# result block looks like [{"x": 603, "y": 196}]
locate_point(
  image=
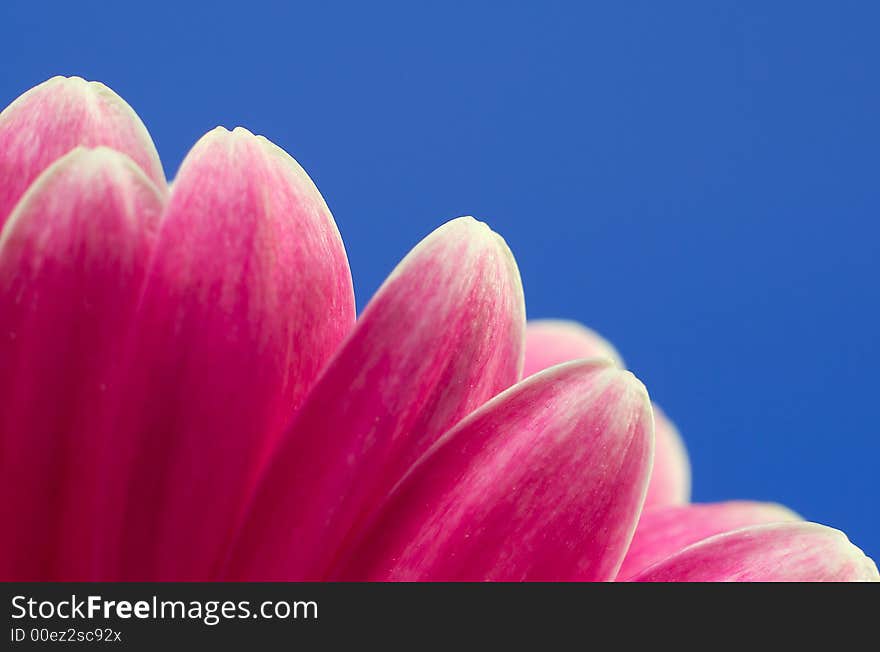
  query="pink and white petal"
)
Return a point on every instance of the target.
[
  {"x": 545, "y": 482},
  {"x": 671, "y": 478},
  {"x": 442, "y": 335},
  {"x": 73, "y": 257},
  {"x": 551, "y": 342},
  {"x": 248, "y": 297},
  {"x": 51, "y": 119},
  {"x": 780, "y": 552},
  {"x": 664, "y": 531}
]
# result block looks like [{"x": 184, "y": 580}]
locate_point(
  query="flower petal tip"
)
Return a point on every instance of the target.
[
  {"x": 49, "y": 120},
  {"x": 242, "y": 139},
  {"x": 632, "y": 392},
  {"x": 466, "y": 226},
  {"x": 552, "y": 341},
  {"x": 92, "y": 167},
  {"x": 776, "y": 552},
  {"x": 664, "y": 529}
]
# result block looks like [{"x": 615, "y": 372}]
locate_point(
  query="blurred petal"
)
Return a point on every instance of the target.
[
  {"x": 787, "y": 552},
  {"x": 249, "y": 295},
  {"x": 551, "y": 342},
  {"x": 671, "y": 478},
  {"x": 73, "y": 257},
  {"x": 665, "y": 531},
  {"x": 442, "y": 335},
  {"x": 545, "y": 482},
  {"x": 60, "y": 114}
]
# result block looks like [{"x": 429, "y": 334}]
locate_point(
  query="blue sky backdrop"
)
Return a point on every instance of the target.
[{"x": 696, "y": 180}]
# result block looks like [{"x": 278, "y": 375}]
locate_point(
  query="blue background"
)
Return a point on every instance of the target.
[{"x": 698, "y": 181}]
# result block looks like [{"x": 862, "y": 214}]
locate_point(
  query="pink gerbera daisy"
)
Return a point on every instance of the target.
[{"x": 185, "y": 393}]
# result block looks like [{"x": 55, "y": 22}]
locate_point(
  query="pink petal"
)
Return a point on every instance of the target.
[
  {"x": 551, "y": 342},
  {"x": 786, "y": 552},
  {"x": 671, "y": 478},
  {"x": 249, "y": 295},
  {"x": 442, "y": 335},
  {"x": 60, "y": 114},
  {"x": 665, "y": 531},
  {"x": 545, "y": 482},
  {"x": 73, "y": 256}
]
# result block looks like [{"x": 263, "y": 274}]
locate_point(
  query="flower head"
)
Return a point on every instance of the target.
[{"x": 185, "y": 392}]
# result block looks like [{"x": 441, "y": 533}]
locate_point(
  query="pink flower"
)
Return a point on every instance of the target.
[{"x": 185, "y": 393}]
